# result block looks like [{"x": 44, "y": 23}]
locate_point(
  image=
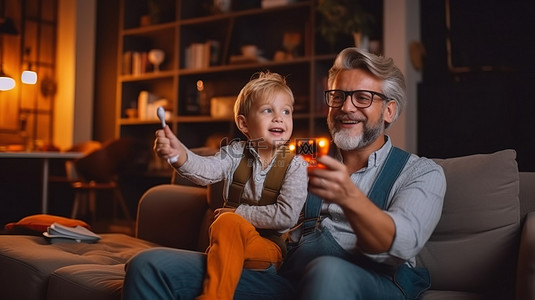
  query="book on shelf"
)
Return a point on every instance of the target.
[
  {"x": 202, "y": 55},
  {"x": 127, "y": 63},
  {"x": 139, "y": 63},
  {"x": 147, "y": 104},
  {"x": 135, "y": 63},
  {"x": 61, "y": 233}
]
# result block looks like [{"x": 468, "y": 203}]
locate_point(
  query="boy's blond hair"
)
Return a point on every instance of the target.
[{"x": 262, "y": 85}]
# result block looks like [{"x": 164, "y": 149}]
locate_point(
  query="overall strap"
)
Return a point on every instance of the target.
[
  {"x": 275, "y": 176},
  {"x": 240, "y": 177},
  {"x": 395, "y": 161},
  {"x": 312, "y": 213}
]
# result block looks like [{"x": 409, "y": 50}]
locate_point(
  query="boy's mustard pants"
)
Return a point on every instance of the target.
[{"x": 235, "y": 244}]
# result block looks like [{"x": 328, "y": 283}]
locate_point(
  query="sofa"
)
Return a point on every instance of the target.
[{"x": 482, "y": 248}]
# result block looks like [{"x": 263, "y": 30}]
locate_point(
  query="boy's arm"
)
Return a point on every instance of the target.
[{"x": 203, "y": 170}]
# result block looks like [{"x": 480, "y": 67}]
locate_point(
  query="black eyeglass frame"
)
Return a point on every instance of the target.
[{"x": 350, "y": 93}]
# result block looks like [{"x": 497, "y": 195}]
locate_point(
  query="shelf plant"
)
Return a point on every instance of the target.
[{"x": 343, "y": 18}]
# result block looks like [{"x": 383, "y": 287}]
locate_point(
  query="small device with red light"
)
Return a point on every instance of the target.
[{"x": 311, "y": 149}]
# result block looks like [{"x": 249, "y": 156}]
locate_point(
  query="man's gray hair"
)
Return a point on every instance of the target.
[{"x": 380, "y": 66}]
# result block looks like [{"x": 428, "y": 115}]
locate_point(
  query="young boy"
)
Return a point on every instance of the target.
[{"x": 246, "y": 231}]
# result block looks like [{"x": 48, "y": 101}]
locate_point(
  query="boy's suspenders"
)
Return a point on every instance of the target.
[
  {"x": 270, "y": 191},
  {"x": 272, "y": 183},
  {"x": 395, "y": 161}
]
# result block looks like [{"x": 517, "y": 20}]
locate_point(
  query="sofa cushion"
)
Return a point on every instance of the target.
[
  {"x": 165, "y": 210},
  {"x": 527, "y": 193},
  {"x": 40, "y": 222},
  {"x": 88, "y": 281},
  {"x": 471, "y": 248},
  {"x": 525, "y": 284},
  {"x": 27, "y": 261}
]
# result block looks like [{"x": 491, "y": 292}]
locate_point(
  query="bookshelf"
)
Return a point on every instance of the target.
[{"x": 204, "y": 60}]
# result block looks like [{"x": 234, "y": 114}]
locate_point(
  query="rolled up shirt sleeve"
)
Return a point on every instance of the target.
[{"x": 416, "y": 208}]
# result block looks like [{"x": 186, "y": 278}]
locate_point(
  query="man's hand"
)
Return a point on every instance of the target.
[
  {"x": 331, "y": 181},
  {"x": 375, "y": 229}
]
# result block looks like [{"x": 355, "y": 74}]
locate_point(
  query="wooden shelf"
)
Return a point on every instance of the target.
[
  {"x": 189, "y": 23},
  {"x": 249, "y": 12},
  {"x": 149, "y": 29}
]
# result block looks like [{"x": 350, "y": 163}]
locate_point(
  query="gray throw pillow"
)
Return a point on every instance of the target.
[{"x": 472, "y": 249}]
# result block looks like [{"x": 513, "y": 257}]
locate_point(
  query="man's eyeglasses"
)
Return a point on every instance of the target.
[{"x": 359, "y": 98}]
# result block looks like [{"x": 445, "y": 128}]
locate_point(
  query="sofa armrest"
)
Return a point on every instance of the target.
[
  {"x": 525, "y": 276},
  {"x": 171, "y": 215}
]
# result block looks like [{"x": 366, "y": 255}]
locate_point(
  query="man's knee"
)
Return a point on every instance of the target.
[
  {"x": 140, "y": 274},
  {"x": 336, "y": 278},
  {"x": 163, "y": 258},
  {"x": 325, "y": 266},
  {"x": 145, "y": 263},
  {"x": 164, "y": 273},
  {"x": 333, "y": 273},
  {"x": 141, "y": 260}
]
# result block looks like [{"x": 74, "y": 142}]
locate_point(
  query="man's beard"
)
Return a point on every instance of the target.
[{"x": 344, "y": 140}]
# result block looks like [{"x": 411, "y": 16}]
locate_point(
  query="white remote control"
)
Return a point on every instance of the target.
[{"x": 161, "y": 114}]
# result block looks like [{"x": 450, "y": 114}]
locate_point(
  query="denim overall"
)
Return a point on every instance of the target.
[{"x": 316, "y": 242}]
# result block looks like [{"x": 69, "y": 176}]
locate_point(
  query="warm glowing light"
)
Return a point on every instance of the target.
[
  {"x": 29, "y": 77},
  {"x": 6, "y": 83},
  {"x": 200, "y": 85},
  {"x": 310, "y": 149},
  {"x": 323, "y": 146}
]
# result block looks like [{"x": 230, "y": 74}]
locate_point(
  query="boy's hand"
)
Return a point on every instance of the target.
[
  {"x": 167, "y": 145},
  {"x": 219, "y": 211}
]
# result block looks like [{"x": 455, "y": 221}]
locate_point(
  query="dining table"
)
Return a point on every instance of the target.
[{"x": 44, "y": 157}]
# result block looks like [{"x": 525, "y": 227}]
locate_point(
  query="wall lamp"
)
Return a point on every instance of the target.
[
  {"x": 6, "y": 27},
  {"x": 6, "y": 82},
  {"x": 28, "y": 76}
]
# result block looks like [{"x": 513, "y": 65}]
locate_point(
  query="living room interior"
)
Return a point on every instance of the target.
[
  {"x": 85, "y": 91},
  {"x": 98, "y": 70}
]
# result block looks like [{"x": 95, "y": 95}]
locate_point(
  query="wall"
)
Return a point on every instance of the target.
[
  {"x": 73, "y": 116},
  {"x": 106, "y": 68},
  {"x": 401, "y": 27},
  {"x": 476, "y": 95}
]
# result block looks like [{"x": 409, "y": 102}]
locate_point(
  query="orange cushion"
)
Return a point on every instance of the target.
[{"x": 40, "y": 222}]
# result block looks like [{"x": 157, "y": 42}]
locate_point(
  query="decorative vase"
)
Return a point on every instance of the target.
[{"x": 156, "y": 57}]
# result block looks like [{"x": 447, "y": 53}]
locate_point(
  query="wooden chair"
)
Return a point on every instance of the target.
[
  {"x": 98, "y": 172},
  {"x": 63, "y": 174},
  {"x": 84, "y": 147}
]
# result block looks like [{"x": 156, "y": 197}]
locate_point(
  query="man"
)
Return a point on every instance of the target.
[{"x": 359, "y": 249}]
